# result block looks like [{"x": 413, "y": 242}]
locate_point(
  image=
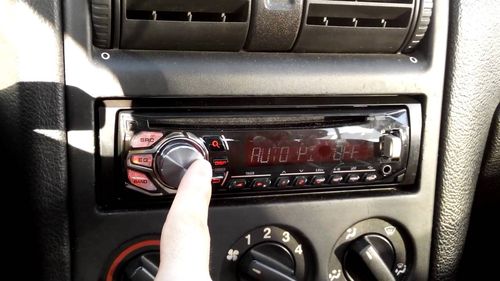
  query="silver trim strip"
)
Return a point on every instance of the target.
[
  {"x": 304, "y": 173},
  {"x": 250, "y": 176},
  {"x": 353, "y": 171}
]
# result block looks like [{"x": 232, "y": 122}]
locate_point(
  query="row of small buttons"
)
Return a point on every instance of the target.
[{"x": 300, "y": 181}]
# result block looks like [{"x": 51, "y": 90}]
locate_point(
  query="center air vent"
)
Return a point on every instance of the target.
[
  {"x": 326, "y": 26},
  {"x": 355, "y": 26},
  {"x": 185, "y": 24}
]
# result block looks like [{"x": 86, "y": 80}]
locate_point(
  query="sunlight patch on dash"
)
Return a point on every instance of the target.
[{"x": 57, "y": 135}]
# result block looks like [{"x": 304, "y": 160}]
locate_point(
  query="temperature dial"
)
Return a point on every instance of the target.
[
  {"x": 176, "y": 154},
  {"x": 370, "y": 250}
]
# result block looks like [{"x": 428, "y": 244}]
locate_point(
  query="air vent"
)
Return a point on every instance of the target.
[
  {"x": 355, "y": 26},
  {"x": 101, "y": 23},
  {"x": 185, "y": 24}
]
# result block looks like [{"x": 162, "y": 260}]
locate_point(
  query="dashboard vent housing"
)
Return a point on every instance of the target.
[
  {"x": 184, "y": 24},
  {"x": 376, "y": 26}
]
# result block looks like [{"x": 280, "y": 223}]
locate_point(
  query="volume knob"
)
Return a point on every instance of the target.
[{"x": 176, "y": 154}]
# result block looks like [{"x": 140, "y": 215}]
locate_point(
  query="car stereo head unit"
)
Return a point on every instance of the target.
[{"x": 262, "y": 152}]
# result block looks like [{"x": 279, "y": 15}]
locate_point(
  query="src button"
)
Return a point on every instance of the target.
[{"x": 145, "y": 139}]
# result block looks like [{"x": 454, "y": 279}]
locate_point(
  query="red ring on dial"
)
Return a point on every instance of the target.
[{"x": 127, "y": 251}]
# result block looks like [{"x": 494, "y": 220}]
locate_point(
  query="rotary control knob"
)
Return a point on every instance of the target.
[
  {"x": 267, "y": 261},
  {"x": 176, "y": 154},
  {"x": 370, "y": 257}
]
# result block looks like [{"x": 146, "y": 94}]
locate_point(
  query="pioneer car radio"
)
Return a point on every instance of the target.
[{"x": 262, "y": 151}]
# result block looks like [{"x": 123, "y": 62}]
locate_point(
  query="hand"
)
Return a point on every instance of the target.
[{"x": 185, "y": 240}]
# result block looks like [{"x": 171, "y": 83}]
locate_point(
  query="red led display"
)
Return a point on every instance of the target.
[{"x": 264, "y": 153}]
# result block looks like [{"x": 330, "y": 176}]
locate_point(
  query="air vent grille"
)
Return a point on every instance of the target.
[
  {"x": 355, "y": 26},
  {"x": 240, "y": 15},
  {"x": 220, "y": 25}
]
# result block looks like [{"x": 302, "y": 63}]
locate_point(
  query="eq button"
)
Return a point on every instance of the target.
[
  {"x": 145, "y": 139},
  {"x": 145, "y": 160},
  {"x": 140, "y": 180},
  {"x": 300, "y": 181}
]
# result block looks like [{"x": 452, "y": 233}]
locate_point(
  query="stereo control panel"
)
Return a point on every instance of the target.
[
  {"x": 266, "y": 153},
  {"x": 256, "y": 152}
]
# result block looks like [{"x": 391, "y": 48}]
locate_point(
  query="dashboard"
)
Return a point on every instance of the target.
[{"x": 346, "y": 137}]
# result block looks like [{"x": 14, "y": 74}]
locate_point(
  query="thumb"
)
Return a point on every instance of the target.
[{"x": 185, "y": 239}]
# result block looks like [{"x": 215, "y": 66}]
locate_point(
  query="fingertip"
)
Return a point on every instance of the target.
[
  {"x": 196, "y": 183},
  {"x": 201, "y": 168}
]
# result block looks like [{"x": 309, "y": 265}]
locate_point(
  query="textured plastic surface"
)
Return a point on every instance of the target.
[
  {"x": 32, "y": 120},
  {"x": 354, "y": 27},
  {"x": 185, "y": 25},
  {"x": 274, "y": 25},
  {"x": 261, "y": 77},
  {"x": 472, "y": 94}
]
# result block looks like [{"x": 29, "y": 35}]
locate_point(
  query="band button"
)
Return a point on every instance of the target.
[{"x": 140, "y": 180}]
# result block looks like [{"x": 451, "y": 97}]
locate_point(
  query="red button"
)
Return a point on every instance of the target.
[
  {"x": 300, "y": 181},
  {"x": 318, "y": 180},
  {"x": 217, "y": 180},
  {"x": 240, "y": 183},
  {"x": 220, "y": 162},
  {"x": 214, "y": 143},
  {"x": 145, "y": 139},
  {"x": 140, "y": 180},
  {"x": 261, "y": 183},
  {"x": 145, "y": 160}
]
